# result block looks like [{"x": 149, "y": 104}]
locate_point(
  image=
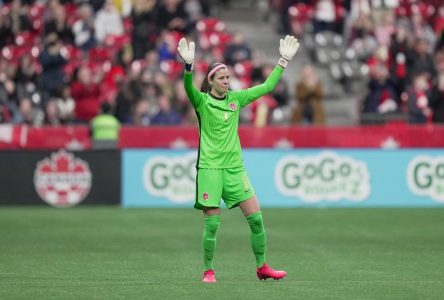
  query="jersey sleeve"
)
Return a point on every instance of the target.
[
  {"x": 249, "y": 95},
  {"x": 193, "y": 94}
]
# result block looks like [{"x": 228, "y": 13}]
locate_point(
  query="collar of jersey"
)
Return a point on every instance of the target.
[{"x": 217, "y": 98}]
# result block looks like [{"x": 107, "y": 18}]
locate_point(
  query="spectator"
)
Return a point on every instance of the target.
[
  {"x": 363, "y": 40},
  {"x": 52, "y": 113},
  {"x": 4, "y": 114},
  {"x": 166, "y": 115},
  {"x": 400, "y": 49},
  {"x": 423, "y": 31},
  {"x": 181, "y": 99},
  {"x": 381, "y": 98},
  {"x": 65, "y": 105},
  {"x": 437, "y": 100},
  {"x": 324, "y": 16},
  {"x": 172, "y": 16},
  {"x": 437, "y": 92},
  {"x": 130, "y": 91},
  {"x": 27, "y": 114},
  {"x": 310, "y": 96},
  {"x": 86, "y": 93},
  {"x": 237, "y": 50},
  {"x": 18, "y": 17},
  {"x": 262, "y": 109},
  {"x": 83, "y": 28},
  {"x": 195, "y": 11},
  {"x": 418, "y": 99},
  {"x": 52, "y": 60},
  {"x": 355, "y": 11},
  {"x": 145, "y": 31},
  {"x": 142, "y": 113},
  {"x": 59, "y": 25},
  {"x": 107, "y": 22},
  {"x": 167, "y": 48},
  {"x": 438, "y": 27},
  {"x": 27, "y": 76},
  {"x": 6, "y": 35},
  {"x": 421, "y": 61},
  {"x": 9, "y": 97},
  {"x": 385, "y": 30}
]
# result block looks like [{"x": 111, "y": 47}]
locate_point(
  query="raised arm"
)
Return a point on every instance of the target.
[
  {"x": 288, "y": 48},
  {"x": 186, "y": 54}
]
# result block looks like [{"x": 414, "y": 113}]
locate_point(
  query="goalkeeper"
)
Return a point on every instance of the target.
[{"x": 220, "y": 170}]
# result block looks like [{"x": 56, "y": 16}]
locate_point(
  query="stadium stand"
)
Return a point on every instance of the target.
[{"x": 60, "y": 59}]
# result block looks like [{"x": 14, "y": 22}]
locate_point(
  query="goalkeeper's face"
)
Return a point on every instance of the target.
[{"x": 221, "y": 82}]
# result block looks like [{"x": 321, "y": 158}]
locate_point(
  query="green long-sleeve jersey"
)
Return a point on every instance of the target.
[{"x": 219, "y": 144}]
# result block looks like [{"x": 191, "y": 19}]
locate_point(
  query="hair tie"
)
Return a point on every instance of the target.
[{"x": 214, "y": 70}]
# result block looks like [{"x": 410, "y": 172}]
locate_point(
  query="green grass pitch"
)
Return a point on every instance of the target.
[{"x": 115, "y": 253}]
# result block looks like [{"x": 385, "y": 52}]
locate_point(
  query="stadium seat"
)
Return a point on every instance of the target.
[
  {"x": 300, "y": 14},
  {"x": 172, "y": 68},
  {"x": 210, "y": 25},
  {"x": 26, "y": 39},
  {"x": 99, "y": 54}
]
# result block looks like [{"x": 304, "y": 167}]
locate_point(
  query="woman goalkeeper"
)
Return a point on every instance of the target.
[{"x": 220, "y": 171}]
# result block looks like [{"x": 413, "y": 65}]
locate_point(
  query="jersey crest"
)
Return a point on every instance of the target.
[{"x": 232, "y": 106}]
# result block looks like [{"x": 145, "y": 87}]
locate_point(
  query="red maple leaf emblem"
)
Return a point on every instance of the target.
[
  {"x": 205, "y": 196},
  {"x": 233, "y": 106},
  {"x": 62, "y": 180}
]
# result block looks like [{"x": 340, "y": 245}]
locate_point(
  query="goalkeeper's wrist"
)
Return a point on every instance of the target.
[
  {"x": 189, "y": 67},
  {"x": 282, "y": 62}
]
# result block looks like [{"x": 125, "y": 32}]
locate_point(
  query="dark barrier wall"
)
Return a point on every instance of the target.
[{"x": 60, "y": 178}]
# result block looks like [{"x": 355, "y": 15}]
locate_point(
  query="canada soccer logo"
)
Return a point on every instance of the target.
[
  {"x": 232, "y": 106},
  {"x": 205, "y": 196},
  {"x": 63, "y": 180}
]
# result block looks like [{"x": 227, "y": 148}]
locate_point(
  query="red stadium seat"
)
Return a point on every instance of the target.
[
  {"x": 13, "y": 54},
  {"x": 5, "y": 9},
  {"x": 210, "y": 25},
  {"x": 36, "y": 12},
  {"x": 172, "y": 68},
  {"x": 214, "y": 39},
  {"x": 116, "y": 42},
  {"x": 201, "y": 66},
  {"x": 74, "y": 53},
  {"x": 127, "y": 25},
  {"x": 243, "y": 69},
  {"x": 99, "y": 54},
  {"x": 26, "y": 39}
]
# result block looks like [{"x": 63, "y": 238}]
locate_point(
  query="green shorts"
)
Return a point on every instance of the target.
[{"x": 232, "y": 185}]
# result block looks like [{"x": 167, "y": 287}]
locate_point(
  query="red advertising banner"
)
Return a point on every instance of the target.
[{"x": 397, "y": 135}]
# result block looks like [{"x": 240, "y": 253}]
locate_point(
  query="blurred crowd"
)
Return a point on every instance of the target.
[
  {"x": 395, "y": 46},
  {"x": 61, "y": 59}
]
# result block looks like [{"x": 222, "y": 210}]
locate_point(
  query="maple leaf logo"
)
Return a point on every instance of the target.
[
  {"x": 63, "y": 180},
  {"x": 232, "y": 106},
  {"x": 205, "y": 196}
]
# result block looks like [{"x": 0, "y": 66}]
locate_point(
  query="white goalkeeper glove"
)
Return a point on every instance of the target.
[
  {"x": 186, "y": 52},
  {"x": 288, "y": 48}
]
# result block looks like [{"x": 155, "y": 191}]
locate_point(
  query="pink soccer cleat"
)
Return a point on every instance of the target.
[
  {"x": 265, "y": 272},
  {"x": 209, "y": 276}
]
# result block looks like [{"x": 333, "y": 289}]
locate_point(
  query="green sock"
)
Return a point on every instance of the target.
[
  {"x": 258, "y": 237},
  {"x": 209, "y": 239}
]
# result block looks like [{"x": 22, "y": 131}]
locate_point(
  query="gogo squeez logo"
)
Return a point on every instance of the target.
[
  {"x": 171, "y": 177},
  {"x": 425, "y": 177},
  {"x": 326, "y": 176}
]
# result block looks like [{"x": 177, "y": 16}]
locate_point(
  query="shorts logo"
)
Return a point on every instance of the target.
[
  {"x": 205, "y": 196},
  {"x": 62, "y": 180},
  {"x": 232, "y": 106}
]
